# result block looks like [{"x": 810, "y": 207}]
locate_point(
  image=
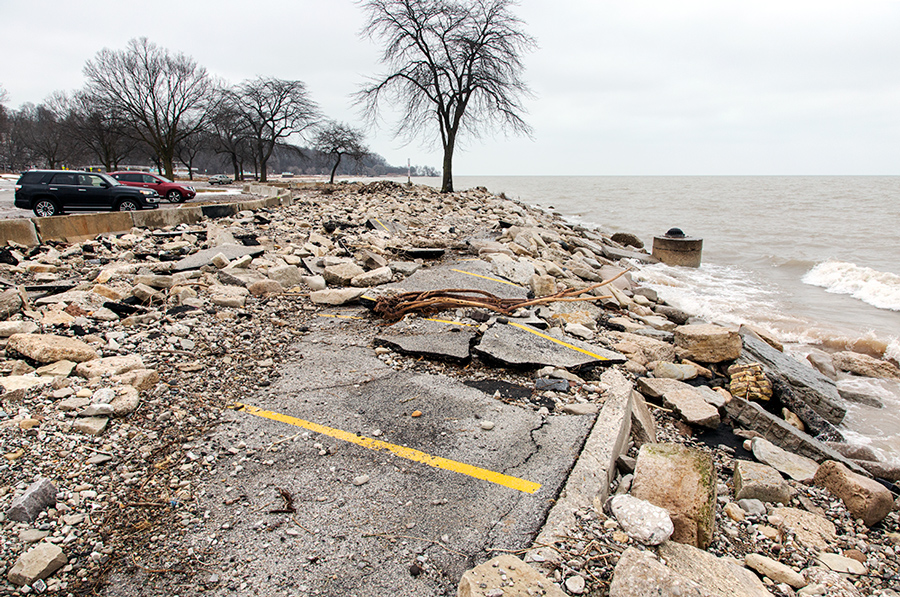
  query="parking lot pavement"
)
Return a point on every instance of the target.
[{"x": 400, "y": 480}]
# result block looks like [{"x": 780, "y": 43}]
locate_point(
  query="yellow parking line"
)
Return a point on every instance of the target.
[
  {"x": 388, "y": 230},
  {"x": 560, "y": 342},
  {"x": 452, "y": 322},
  {"x": 401, "y": 451},
  {"x": 459, "y": 271}
]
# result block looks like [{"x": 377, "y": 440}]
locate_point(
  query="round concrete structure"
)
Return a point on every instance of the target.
[{"x": 678, "y": 250}]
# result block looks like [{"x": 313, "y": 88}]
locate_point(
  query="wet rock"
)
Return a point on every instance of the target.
[
  {"x": 505, "y": 574},
  {"x": 37, "y": 563},
  {"x": 708, "y": 343},
  {"x": 823, "y": 362},
  {"x": 627, "y": 239},
  {"x": 643, "y": 521},
  {"x": 681, "y": 480},
  {"x": 795, "y": 466},
  {"x": 49, "y": 348},
  {"x": 40, "y": 495},
  {"x": 759, "y": 481},
  {"x": 861, "y": 364},
  {"x": 864, "y": 498},
  {"x": 717, "y": 575},
  {"x": 639, "y": 574},
  {"x": 774, "y": 570}
]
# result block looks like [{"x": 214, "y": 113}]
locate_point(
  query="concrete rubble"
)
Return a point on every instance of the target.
[{"x": 121, "y": 355}]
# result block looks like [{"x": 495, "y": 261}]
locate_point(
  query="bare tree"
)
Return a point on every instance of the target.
[
  {"x": 163, "y": 96},
  {"x": 102, "y": 132},
  {"x": 338, "y": 139},
  {"x": 230, "y": 132},
  {"x": 451, "y": 63},
  {"x": 44, "y": 130},
  {"x": 273, "y": 110},
  {"x": 190, "y": 147}
]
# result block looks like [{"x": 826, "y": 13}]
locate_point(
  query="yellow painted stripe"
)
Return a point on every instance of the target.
[
  {"x": 388, "y": 230},
  {"x": 560, "y": 342},
  {"x": 452, "y": 322},
  {"x": 401, "y": 451},
  {"x": 459, "y": 271},
  {"x": 339, "y": 316}
]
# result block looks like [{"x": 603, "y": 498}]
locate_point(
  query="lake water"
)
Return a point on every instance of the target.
[{"x": 814, "y": 260}]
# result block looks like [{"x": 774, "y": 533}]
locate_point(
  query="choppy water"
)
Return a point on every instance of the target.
[{"x": 815, "y": 260}]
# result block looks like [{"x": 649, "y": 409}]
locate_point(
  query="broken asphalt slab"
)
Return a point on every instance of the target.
[
  {"x": 519, "y": 345},
  {"x": 205, "y": 256},
  {"x": 433, "y": 339},
  {"x": 364, "y": 513}
]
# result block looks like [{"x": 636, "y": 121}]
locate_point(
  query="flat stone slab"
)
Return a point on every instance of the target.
[
  {"x": 528, "y": 347},
  {"x": 714, "y": 574},
  {"x": 204, "y": 257},
  {"x": 470, "y": 275},
  {"x": 816, "y": 390},
  {"x": 429, "y": 338},
  {"x": 795, "y": 466}
]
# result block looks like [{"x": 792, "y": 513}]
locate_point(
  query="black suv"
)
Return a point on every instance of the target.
[{"x": 52, "y": 192}]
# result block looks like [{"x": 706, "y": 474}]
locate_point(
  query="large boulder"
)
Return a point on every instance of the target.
[
  {"x": 756, "y": 481},
  {"x": 639, "y": 574},
  {"x": 683, "y": 481},
  {"x": 863, "y": 497},
  {"x": 49, "y": 348},
  {"x": 708, "y": 343},
  {"x": 864, "y": 365}
]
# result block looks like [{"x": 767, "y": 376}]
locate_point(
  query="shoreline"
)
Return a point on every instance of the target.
[{"x": 505, "y": 235}]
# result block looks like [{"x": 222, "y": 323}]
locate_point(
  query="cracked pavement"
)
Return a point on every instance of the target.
[{"x": 367, "y": 522}]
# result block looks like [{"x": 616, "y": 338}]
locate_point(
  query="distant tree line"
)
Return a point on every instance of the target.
[
  {"x": 452, "y": 68},
  {"x": 147, "y": 106}
]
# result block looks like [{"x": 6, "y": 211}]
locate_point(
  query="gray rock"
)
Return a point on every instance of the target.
[
  {"x": 8, "y": 328},
  {"x": 343, "y": 273},
  {"x": 38, "y": 562},
  {"x": 288, "y": 276},
  {"x": 375, "y": 277},
  {"x": 639, "y": 574},
  {"x": 545, "y": 383},
  {"x": 90, "y": 425},
  {"x": 336, "y": 297},
  {"x": 798, "y": 468},
  {"x": 204, "y": 257},
  {"x": 40, "y": 495},
  {"x": 759, "y": 481},
  {"x": 752, "y": 506},
  {"x": 641, "y": 520},
  {"x": 97, "y": 410}
]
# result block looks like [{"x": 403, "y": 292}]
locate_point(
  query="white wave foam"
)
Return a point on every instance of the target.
[{"x": 879, "y": 289}]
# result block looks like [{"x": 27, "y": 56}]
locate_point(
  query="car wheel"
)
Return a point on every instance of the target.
[
  {"x": 127, "y": 205},
  {"x": 174, "y": 197},
  {"x": 44, "y": 208}
]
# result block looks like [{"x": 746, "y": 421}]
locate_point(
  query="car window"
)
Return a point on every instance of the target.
[
  {"x": 90, "y": 180},
  {"x": 149, "y": 179},
  {"x": 64, "y": 178}
]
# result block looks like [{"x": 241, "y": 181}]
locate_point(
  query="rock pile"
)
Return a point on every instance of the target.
[{"x": 121, "y": 352}]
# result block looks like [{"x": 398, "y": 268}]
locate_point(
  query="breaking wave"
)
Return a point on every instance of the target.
[{"x": 879, "y": 289}]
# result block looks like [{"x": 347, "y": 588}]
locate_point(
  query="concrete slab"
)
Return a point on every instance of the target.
[
  {"x": 475, "y": 275},
  {"x": 429, "y": 338},
  {"x": 522, "y": 346},
  {"x": 364, "y": 515},
  {"x": 204, "y": 257},
  {"x": 20, "y": 230}
]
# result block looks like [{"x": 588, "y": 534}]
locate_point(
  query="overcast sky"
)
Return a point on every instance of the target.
[{"x": 621, "y": 87}]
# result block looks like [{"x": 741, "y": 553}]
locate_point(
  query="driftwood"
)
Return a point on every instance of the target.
[{"x": 429, "y": 302}]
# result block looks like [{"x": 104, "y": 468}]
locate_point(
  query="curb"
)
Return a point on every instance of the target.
[
  {"x": 31, "y": 232},
  {"x": 588, "y": 483}
]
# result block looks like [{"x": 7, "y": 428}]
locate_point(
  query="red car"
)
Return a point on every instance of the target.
[{"x": 172, "y": 191}]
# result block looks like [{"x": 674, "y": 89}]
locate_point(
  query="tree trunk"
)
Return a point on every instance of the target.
[
  {"x": 234, "y": 163},
  {"x": 447, "y": 182},
  {"x": 333, "y": 170}
]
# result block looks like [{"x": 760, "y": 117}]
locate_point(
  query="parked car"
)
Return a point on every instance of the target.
[
  {"x": 52, "y": 192},
  {"x": 173, "y": 192},
  {"x": 219, "y": 179}
]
